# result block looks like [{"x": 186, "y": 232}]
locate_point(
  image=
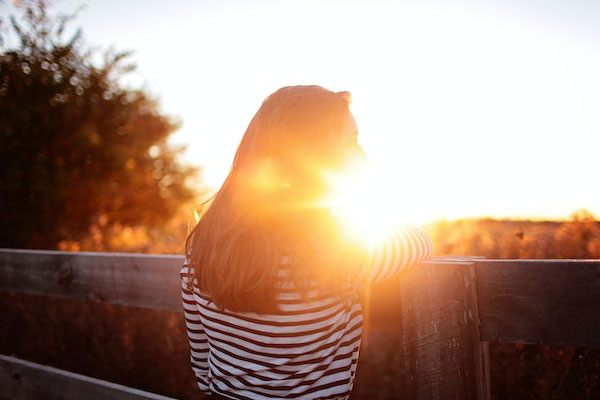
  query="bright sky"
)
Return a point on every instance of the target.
[{"x": 475, "y": 108}]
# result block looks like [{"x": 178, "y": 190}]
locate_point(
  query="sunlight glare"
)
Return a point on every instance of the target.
[{"x": 366, "y": 202}]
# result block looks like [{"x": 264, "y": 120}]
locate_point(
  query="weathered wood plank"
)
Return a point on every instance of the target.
[
  {"x": 150, "y": 281},
  {"x": 24, "y": 380},
  {"x": 443, "y": 353},
  {"x": 540, "y": 301}
]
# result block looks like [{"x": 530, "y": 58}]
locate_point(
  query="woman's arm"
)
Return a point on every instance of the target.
[
  {"x": 404, "y": 247},
  {"x": 196, "y": 336}
]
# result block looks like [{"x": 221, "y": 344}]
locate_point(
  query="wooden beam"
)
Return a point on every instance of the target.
[
  {"x": 24, "y": 380},
  {"x": 540, "y": 301},
  {"x": 444, "y": 356},
  {"x": 141, "y": 280},
  {"x": 150, "y": 281}
]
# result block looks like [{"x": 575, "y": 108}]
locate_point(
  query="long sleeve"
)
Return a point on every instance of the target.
[
  {"x": 195, "y": 330},
  {"x": 403, "y": 248}
]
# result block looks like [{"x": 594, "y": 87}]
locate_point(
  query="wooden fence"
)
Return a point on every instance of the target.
[{"x": 442, "y": 314}]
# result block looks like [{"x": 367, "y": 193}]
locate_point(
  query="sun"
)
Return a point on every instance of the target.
[{"x": 366, "y": 201}]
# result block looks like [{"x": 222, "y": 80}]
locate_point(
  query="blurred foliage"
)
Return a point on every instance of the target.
[
  {"x": 577, "y": 238},
  {"x": 85, "y": 161},
  {"x": 137, "y": 347}
]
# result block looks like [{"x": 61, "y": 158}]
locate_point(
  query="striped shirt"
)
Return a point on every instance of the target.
[{"x": 306, "y": 350}]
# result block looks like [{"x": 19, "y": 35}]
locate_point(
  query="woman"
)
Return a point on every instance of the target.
[{"x": 272, "y": 279}]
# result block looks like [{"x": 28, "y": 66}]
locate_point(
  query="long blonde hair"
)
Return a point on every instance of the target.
[{"x": 268, "y": 206}]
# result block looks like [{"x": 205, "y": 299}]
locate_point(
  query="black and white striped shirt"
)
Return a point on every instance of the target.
[{"x": 307, "y": 350}]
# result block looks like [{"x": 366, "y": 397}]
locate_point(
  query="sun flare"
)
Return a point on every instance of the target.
[{"x": 366, "y": 202}]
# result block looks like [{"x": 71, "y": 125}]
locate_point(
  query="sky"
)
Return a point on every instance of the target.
[{"x": 468, "y": 108}]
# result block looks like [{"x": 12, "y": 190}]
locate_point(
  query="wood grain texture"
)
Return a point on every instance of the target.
[
  {"x": 150, "y": 281},
  {"x": 540, "y": 301},
  {"x": 442, "y": 349},
  {"x": 24, "y": 380}
]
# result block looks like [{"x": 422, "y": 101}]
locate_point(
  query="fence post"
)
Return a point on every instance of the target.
[{"x": 444, "y": 356}]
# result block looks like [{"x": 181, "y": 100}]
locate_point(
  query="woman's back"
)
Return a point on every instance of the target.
[{"x": 307, "y": 349}]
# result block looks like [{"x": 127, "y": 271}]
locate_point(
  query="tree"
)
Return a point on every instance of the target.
[{"x": 77, "y": 148}]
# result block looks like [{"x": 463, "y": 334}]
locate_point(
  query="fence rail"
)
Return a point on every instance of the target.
[
  {"x": 24, "y": 380},
  {"x": 140, "y": 280},
  {"x": 444, "y": 311}
]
